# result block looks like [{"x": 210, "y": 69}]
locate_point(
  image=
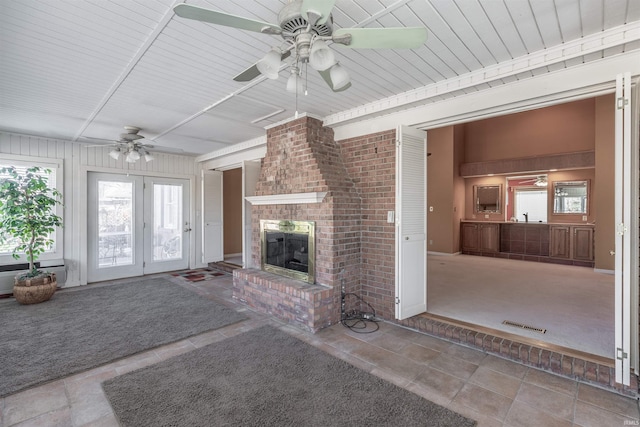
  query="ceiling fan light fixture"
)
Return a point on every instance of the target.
[
  {"x": 115, "y": 153},
  {"x": 321, "y": 57},
  {"x": 339, "y": 77},
  {"x": 148, "y": 157},
  {"x": 295, "y": 84},
  {"x": 133, "y": 156},
  {"x": 270, "y": 64}
]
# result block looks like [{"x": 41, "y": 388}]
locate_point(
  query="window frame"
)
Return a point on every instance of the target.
[
  {"x": 529, "y": 189},
  {"x": 57, "y": 172}
]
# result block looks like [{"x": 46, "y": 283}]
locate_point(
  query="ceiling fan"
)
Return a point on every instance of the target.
[
  {"x": 305, "y": 27},
  {"x": 130, "y": 146},
  {"x": 539, "y": 181}
]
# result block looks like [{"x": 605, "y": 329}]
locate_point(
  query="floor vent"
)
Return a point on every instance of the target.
[{"x": 527, "y": 327}]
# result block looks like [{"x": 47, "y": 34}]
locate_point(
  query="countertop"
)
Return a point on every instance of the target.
[{"x": 525, "y": 223}]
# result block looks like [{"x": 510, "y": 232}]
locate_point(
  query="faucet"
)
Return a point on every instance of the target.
[{"x": 526, "y": 217}]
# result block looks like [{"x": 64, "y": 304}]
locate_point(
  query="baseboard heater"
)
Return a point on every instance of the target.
[{"x": 8, "y": 272}]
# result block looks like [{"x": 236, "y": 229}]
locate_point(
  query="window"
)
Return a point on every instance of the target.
[
  {"x": 54, "y": 179},
  {"x": 531, "y": 201}
]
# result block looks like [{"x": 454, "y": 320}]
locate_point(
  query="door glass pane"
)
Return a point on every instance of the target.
[
  {"x": 167, "y": 222},
  {"x": 115, "y": 223}
]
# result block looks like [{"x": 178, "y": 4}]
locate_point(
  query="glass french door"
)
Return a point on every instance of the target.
[
  {"x": 136, "y": 225},
  {"x": 166, "y": 224}
]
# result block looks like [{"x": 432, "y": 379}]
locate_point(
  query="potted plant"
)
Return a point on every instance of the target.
[{"x": 27, "y": 219}]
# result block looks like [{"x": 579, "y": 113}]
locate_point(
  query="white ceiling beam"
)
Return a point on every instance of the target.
[{"x": 128, "y": 69}]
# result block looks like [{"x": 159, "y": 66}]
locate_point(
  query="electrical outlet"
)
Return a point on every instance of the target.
[
  {"x": 486, "y": 216},
  {"x": 431, "y": 242},
  {"x": 584, "y": 217},
  {"x": 390, "y": 217}
]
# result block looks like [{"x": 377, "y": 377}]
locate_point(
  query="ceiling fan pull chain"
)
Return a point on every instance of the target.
[
  {"x": 306, "y": 79},
  {"x": 296, "y": 115}
]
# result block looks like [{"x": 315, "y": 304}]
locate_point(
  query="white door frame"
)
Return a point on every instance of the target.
[
  {"x": 212, "y": 216},
  {"x": 250, "y": 175},
  {"x": 625, "y": 305}
]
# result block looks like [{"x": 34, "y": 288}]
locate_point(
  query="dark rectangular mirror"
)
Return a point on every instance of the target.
[{"x": 487, "y": 198}]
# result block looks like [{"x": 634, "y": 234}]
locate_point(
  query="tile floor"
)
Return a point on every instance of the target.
[{"x": 493, "y": 391}]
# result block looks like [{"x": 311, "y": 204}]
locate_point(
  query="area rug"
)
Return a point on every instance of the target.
[
  {"x": 199, "y": 274},
  {"x": 81, "y": 329},
  {"x": 266, "y": 377}
]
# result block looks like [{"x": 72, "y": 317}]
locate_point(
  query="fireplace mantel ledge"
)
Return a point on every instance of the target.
[{"x": 287, "y": 199}]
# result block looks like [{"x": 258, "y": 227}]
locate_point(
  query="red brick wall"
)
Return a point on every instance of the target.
[
  {"x": 371, "y": 163},
  {"x": 301, "y": 157}
]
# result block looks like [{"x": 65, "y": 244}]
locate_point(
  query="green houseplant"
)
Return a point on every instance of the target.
[{"x": 27, "y": 219}]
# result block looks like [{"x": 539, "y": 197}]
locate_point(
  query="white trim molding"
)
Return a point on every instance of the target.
[
  {"x": 585, "y": 81},
  {"x": 287, "y": 199},
  {"x": 431, "y": 93},
  {"x": 235, "y": 148}
]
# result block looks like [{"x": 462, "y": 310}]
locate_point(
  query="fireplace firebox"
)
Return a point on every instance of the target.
[{"x": 288, "y": 248}]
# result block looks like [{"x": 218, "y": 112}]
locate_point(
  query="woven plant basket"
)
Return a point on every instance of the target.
[{"x": 36, "y": 289}]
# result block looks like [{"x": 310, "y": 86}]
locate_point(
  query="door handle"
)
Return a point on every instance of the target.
[{"x": 186, "y": 230}]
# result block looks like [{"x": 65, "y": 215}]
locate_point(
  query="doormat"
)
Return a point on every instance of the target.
[{"x": 199, "y": 274}]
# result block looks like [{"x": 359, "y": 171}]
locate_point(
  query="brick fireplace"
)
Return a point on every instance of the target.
[{"x": 303, "y": 178}]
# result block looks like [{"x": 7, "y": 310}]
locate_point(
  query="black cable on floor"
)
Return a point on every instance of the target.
[{"x": 359, "y": 321}]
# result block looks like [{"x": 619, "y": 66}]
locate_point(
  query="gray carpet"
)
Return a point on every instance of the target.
[
  {"x": 266, "y": 377},
  {"x": 81, "y": 329}
]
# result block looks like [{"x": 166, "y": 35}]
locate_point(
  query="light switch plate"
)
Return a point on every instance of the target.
[{"x": 391, "y": 217}]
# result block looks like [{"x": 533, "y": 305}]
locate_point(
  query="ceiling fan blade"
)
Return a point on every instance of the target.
[
  {"x": 226, "y": 19},
  {"x": 321, "y": 8},
  {"x": 326, "y": 76},
  {"x": 253, "y": 72},
  {"x": 383, "y": 38}
]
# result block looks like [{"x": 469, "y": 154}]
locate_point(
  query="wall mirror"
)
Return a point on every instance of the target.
[
  {"x": 487, "y": 198},
  {"x": 570, "y": 197}
]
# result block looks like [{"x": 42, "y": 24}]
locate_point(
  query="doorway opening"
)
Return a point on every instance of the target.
[
  {"x": 573, "y": 304},
  {"x": 232, "y": 214}
]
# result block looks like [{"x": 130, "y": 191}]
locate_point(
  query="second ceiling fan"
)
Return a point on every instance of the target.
[{"x": 305, "y": 27}]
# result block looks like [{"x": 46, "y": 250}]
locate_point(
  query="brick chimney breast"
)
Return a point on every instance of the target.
[{"x": 303, "y": 157}]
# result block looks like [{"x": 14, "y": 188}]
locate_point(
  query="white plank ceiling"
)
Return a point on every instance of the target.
[{"x": 82, "y": 69}]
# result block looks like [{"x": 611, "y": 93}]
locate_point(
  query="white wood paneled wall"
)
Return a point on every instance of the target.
[{"x": 78, "y": 160}]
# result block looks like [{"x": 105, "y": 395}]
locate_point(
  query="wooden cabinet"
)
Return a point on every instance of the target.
[
  {"x": 574, "y": 242},
  {"x": 560, "y": 241},
  {"x": 489, "y": 237},
  {"x": 469, "y": 236},
  {"x": 583, "y": 243},
  {"x": 480, "y": 237}
]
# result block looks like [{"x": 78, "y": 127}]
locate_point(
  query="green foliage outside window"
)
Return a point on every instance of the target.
[{"x": 27, "y": 213}]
